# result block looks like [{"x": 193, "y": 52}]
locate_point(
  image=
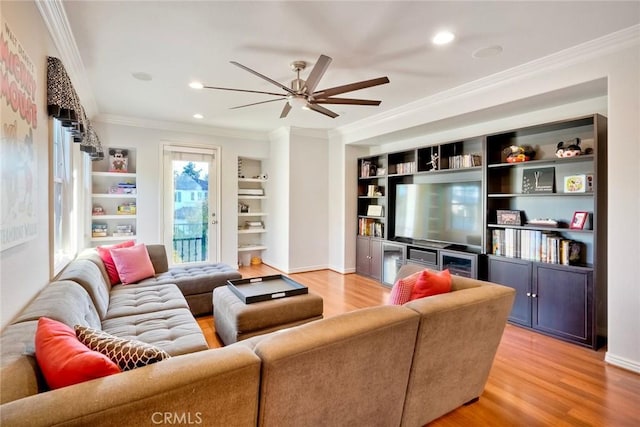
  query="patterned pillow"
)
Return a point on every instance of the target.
[
  {"x": 127, "y": 354},
  {"x": 402, "y": 289}
]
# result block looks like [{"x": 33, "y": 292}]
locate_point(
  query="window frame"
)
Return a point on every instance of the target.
[{"x": 64, "y": 223}]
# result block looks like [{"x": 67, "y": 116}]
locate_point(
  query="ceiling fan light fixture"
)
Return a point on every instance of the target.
[
  {"x": 196, "y": 85},
  {"x": 297, "y": 101}
]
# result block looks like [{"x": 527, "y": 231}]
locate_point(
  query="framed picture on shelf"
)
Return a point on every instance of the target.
[
  {"x": 575, "y": 184},
  {"x": 504, "y": 217},
  {"x": 538, "y": 180},
  {"x": 374, "y": 210},
  {"x": 579, "y": 220}
]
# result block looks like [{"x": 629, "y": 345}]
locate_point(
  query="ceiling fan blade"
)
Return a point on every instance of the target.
[
  {"x": 256, "y": 103},
  {"x": 347, "y": 101},
  {"x": 316, "y": 74},
  {"x": 243, "y": 90},
  {"x": 285, "y": 110},
  {"x": 281, "y": 86},
  {"x": 322, "y": 110},
  {"x": 325, "y": 93}
]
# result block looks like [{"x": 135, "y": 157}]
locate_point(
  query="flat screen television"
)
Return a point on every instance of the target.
[{"x": 442, "y": 213}]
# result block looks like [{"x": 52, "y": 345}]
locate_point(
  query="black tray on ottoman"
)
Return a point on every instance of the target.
[{"x": 266, "y": 288}]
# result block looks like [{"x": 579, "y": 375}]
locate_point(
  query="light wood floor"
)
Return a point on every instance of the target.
[{"x": 535, "y": 380}]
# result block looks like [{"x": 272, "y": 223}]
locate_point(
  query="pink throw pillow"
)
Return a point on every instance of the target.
[
  {"x": 64, "y": 360},
  {"x": 133, "y": 264},
  {"x": 107, "y": 260},
  {"x": 431, "y": 283},
  {"x": 402, "y": 289}
]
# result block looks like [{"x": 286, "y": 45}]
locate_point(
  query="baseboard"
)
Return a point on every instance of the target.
[
  {"x": 621, "y": 362},
  {"x": 307, "y": 268}
]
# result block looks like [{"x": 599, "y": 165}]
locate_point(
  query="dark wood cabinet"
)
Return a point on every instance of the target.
[
  {"x": 369, "y": 257},
  {"x": 553, "y": 299},
  {"x": 563, "y": 304},
  {"x": 516, "y": 274}
]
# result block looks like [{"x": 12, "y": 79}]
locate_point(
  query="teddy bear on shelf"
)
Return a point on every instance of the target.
[
  {"x": 519, "y": 153},
  {"x": 118, "y": 160},
  {"x": 570, "y": 148}
]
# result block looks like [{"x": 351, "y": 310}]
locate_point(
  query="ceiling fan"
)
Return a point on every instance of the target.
[{"x": 303, "y": 93}]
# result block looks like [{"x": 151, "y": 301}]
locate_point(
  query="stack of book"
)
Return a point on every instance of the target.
[
  {"x": 99, "y": 229},
  {"x": 536, "y": 245},
  {"x": 127, "y": 209},
  {"x": 253, "y": 225},
  {"x": 123, "y": 188},
  {"x": 123, "y": 230}
]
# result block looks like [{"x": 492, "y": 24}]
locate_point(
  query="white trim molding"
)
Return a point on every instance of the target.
[
  {"x": 622, "y": 362},
  {"x": 55, "y": 18}
]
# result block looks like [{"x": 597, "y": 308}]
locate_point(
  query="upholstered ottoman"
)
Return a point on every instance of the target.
[{"x": 235, "y": 321}]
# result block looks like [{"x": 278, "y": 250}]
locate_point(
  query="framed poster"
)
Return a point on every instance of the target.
[{"x": 18, "y": 153}]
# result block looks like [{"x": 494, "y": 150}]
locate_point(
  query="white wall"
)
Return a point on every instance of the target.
[
  {"x": 298, "y": 236},
  {"x": 20, "y": 277},
  {"x": 308, "y": 202},
  {"x": 277, "y": 238},
  {"x": 148, "y": 141},
  {"x": 618, "y": 62}
]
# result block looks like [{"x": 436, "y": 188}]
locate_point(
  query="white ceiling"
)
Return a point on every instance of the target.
[{"x": 177, "y": 42}]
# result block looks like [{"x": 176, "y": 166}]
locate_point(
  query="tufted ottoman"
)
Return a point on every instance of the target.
[
  {"x": 235, "y": 321},
  {"x": 197, "y": 282}
]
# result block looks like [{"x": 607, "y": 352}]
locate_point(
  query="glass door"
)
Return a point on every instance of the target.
[{"x": 190, "y": 204}]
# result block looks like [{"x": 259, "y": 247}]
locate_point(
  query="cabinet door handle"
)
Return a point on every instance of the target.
[
  {"x": 528, "y": 294},
  {"x": 534, "y": 295}
]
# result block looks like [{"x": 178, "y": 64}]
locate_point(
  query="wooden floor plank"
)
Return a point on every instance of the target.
[{"x": 535, "y": 380}]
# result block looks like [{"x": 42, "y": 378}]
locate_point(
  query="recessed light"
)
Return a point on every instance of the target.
[
  {"x": 145, "y": 77},
  {"x": 486, "y": 52},
  {"x": 196, "y": 85},
  {"x": 443, "y": 37},
  {"x": 198, "y": 116}
]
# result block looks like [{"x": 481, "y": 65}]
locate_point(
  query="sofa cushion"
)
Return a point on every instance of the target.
[
  {"x": 133, "y": 263},
  {"x": 196, "y": 279},
  {"x": 127, "y": 300},
  {"x": 64, "y": 301},
  {"x": 90, "y": 277},
  {"x": 175, "y": 331},
  {"x": 402, "y": 289},
  {"x": 127, "y": 354},
  {"x": 66, "y": 361},
  {"x": 107, "y": 259},
  {"x": 431, "y": 283}
]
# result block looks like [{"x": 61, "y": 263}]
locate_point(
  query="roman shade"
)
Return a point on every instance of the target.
[{"x": 64, "y": 104}]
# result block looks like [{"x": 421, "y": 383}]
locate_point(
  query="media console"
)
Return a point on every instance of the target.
[{"x": 387, "y": 256}]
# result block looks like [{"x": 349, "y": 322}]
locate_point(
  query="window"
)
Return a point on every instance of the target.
[{"x": 64, "y": 224}]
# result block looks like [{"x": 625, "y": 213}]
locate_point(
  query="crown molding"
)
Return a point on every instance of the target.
[
  {"x": 599, "y": 47},
  {"x": 55, "y": 19},
  {"x": 181, "y": 127}
]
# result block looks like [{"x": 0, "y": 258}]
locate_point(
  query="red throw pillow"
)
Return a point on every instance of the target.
[
  {"x": 402, "y": 289},
  {"x": 107, "y": 259},
  {"x": 133, "y": 264},
  {"x": 431, "y": 283},
  {"x": 64, "y": 360}
]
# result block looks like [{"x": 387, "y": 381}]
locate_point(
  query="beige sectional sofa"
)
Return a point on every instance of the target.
[{"x": 387, "y": 365}]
